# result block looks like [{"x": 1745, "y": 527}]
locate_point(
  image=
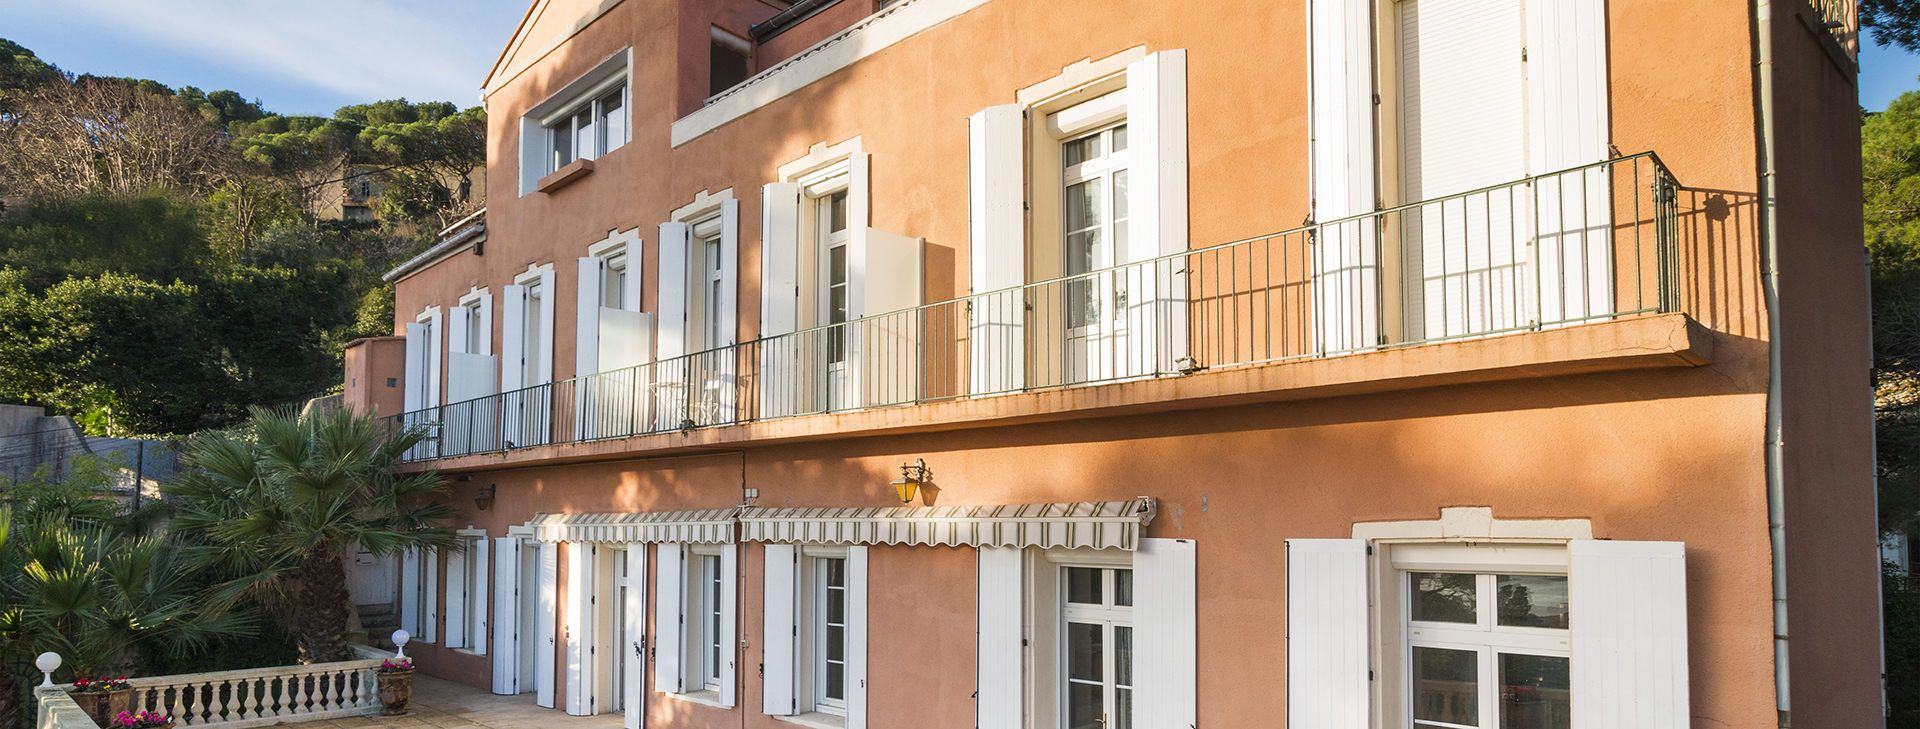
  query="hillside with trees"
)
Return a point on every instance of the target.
[{"x": 168, "y": 256}]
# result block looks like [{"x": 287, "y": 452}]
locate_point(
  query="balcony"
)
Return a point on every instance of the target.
[{"x": 1545, "y": 254}]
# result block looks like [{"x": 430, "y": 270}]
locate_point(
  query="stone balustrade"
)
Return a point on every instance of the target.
[{"x": 237, "y": 699}]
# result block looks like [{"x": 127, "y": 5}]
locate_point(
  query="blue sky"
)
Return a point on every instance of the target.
[
  {"x": 296, "y": 57},
  {"x": 310, "y": 58}
]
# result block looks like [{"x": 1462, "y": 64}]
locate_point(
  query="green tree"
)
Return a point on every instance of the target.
[
  {"x": 1892, "y": 22},
  {"x": 286, "y": 495},
  {"x": 154, "y": 235}
]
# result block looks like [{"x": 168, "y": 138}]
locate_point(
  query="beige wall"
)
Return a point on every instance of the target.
[{"x": 371, "y": 363}]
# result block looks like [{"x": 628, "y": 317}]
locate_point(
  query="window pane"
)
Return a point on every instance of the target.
[
  {"x": 836, "y": 606},
  {"x": 836, "y": 644},
  {"x": 1083, "y": 706},
  {"x": 1533, "y": 601},
  {"x": 613, "y": 121},
  {"x": 728, "y": 68},
  {"x": 837, "y": 212},
  {"x": 562, "y": 136},
  {"x": 1534, "y": 692},
  {"x": 836, "y": 572},
  {"x": 836, "y": 681},
  {"x": 1122, "y": 655},
  {"x": 1085, "y": 654},
  {"x": 1123, "y": 587},
  {"x": 1446, "y": 686},
  {"x": 1120, "y": 138},
  {"x": 1443, "y": 597},
  {"x": 837, "y": 266},
  {"x": 1122, "y": 709},
  {"x": 1081, "y": 150},
  {"x": 1083, "y": 585},
  {"x": 583, "y": 137}
]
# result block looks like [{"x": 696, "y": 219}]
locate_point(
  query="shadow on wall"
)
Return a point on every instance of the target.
[{"x": 1719, "y": 256}]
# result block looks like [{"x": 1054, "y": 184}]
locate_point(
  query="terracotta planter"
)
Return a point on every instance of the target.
[
  {"x": 396, "y": 689},
  {"x": 103, "y": 705}
]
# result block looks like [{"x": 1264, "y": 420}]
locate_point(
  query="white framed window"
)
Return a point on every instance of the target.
[
  {"x": 835, "y": 272},
  {"x": 1486, "y": 650},
  {"x": 706, "y": 619},
  {"x": 830, "y": 634},
  {"x": 467, "y": 592},
  {"x": 1096, "y": 628},
  {"x": 710, "y": 278},
  {"x": 815, "y": 657},
  {"x": 420, "y": 593},
  {"x": 695, "y": 656},
  {"x": 591, "y": 127}
]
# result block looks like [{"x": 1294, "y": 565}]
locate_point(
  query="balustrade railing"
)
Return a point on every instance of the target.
[
  {"x": 54, "y": 709},
  {"x": 1583, "y": 244}
]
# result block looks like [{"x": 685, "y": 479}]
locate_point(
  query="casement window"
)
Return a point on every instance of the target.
[
  {"x": 730, "y": 61},
  {"x": 1526, "y": 636},
  {"x": 468, "y": 423},
  {"x": 467, "y": 592},
  {"x": 422, "y": 381},
  {"x": 823, "y": 267},
  {"x": 525, "y": 601},
  {"x": 420, "y": 593},
  {"x": 698, "y": 313},
  {"x": 815, "y": 657},
  {"x": 1108, "y": 640},
  {"x": 612, "y": 332},
  {"x": 1084, "y": 181},
  {"x": 586, "y": 119},
  {"x": 696, "y": 655}
]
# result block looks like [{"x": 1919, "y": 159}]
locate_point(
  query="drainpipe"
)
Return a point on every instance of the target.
[{"x": 1770, "y": 290}]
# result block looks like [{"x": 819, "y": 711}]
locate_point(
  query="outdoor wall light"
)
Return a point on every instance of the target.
[
  {"x": 912, "y": 476},
  {"x": 400, "y": 638},
  {"x": 483, "y": 498},
  {"x": 48, "y": 662}
]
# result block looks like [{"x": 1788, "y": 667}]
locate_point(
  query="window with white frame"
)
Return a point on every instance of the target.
[
  {"x": 1488, "y": 650},
  {"x": 476, "y": 324},
  {"x": 467, "y": 592},
  {"x": 827, "y": 633},
  {"x": 532, "y": 325},
  {"x": 420, "y": 592},
  {"x": 1096, "y": 620},
  {"x": 836, "y": 272},
  {"x": 591, "y": 127},
  {"x": 709, "y": 282},
  {"x": 706, "y": 615},
  {"x": 1094, "y": 229},
  {"x": 613, "y": 281},
  {"x": 814, "y": 660}
]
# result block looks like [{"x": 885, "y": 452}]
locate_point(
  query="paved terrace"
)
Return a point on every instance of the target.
[{"x": 442, "y": 704}]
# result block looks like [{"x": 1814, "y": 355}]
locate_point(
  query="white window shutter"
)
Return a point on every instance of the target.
[
  {"x": 477, "y": 596},
  {"x": 635, "y": 621},
  {"x": 430, "y": 607},
  {"x": 579, "y": 619},
  {"x": 729, "y": 273},
  {"x": 513, "y": 332},
  {"x": 546, "y": 327},
  {"x": 1567, "y": 112},
  {"x": 1000, "y": 682},
  {"x": 997, "y": 247},
  {"x": 669, "y": 616},
  {"x": 635, "y": 266},
  {"x": 672, "y": 306},
  {"x": 456, "y": 598},
  {"x": 857, "y": 637},
  {"x": 779, "y": 258},
  {"x": 410, "y": 590},
  {"x": 414, "y": 385},
  {"x": 1629, "y": 631},
  {"x": 1327, "y": 681},
  {"x": 857, "y": 232},
  {"x": 506, "y": 616},
  {"x": 1346, "y": 290},
  {"x": 1157, "y": 182},
  {"x": 435, "y": 329},
  {"x": 485, "y": 345},
  {"x": 1163, "y": 643},
  {"x": 778, "y": 640},
  {"x": 729, "y": 617},
  {"x": 586, "y": 342},
  {"x": 457, "y": 322},
  {"x": 546, "y": 650}
]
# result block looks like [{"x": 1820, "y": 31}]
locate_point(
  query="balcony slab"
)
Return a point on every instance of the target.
[{"x": 1640, "y": 342}]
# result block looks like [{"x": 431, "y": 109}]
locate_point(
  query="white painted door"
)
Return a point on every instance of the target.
[
  {"x": 372, "y": 578},
  {"x": 1096, "y": 212}
]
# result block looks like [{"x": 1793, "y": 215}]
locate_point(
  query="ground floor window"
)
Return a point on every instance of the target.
[{"x": 1097, "y": 647}]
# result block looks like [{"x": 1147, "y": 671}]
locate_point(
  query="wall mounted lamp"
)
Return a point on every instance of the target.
[
  {"x": 912, "y": 477},
  {"x": 483, "y": 498}
]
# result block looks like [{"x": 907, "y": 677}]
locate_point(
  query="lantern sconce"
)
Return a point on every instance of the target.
[
  {"x": 483, "y": 498},
  {"x": 912, "y": 477}
]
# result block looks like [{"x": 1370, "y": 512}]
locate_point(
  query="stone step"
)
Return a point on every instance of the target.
[{"x": 369, "y": 611}]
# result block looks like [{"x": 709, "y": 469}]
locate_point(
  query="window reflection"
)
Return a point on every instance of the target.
[
  {"x": 1533, "y": 601},
  {"x": 1443, "y": 597},
  {"x": 1534, "y": 692},
  {"x": 1446, "y": 686}
]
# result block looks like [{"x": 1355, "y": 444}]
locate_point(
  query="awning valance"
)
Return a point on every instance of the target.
[
  {"x": 1095, "y": 524},
  {"x": 711, "y": 526}
]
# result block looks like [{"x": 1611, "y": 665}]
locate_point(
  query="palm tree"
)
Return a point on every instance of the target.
[{"x": 281, "y": 498}]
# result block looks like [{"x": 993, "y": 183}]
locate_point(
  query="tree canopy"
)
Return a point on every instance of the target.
[{"x": 1892, "y": 22}]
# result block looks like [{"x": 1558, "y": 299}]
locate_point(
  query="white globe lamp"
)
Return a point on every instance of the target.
[{"x": 400, "y": 638}]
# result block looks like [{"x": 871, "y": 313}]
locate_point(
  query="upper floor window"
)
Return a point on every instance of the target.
[
  {"x": 592, "y": 127},
  {"x": 730, "y": 62}
]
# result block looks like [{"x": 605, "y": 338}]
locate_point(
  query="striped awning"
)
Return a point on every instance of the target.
[
  {"x": 1095, "y": 524},
  {"x": 711, "y": 526}
]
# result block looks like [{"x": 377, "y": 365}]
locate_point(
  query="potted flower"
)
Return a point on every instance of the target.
[
  {"x": 142, "y": 720},
  {"x": 102, "y": 697},
  {"x": 396, "y": 685}
]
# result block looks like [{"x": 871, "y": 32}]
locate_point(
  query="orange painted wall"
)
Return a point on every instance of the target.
[{"x": 370, "y": 364}]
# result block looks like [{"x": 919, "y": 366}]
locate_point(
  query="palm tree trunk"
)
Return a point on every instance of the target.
[
  {"x": 323, "y": 608},
  {"x": 13, "y": 713}
]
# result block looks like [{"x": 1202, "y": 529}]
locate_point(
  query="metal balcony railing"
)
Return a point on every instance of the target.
[
  {"x": 1841, "y": 18},
  {"x": 1584, "y": 244}
]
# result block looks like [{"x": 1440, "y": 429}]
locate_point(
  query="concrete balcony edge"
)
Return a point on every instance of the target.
[{"x": 1640, "y": 342}]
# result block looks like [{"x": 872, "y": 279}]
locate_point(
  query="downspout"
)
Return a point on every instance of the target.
[{"x": 1770, "y": 292}]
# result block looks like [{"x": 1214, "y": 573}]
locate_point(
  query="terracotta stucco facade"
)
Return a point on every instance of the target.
[{"x": 1652, "y": 428}]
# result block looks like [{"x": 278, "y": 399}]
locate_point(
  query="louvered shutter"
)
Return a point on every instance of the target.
[
  {"x": 1164, "y": 648},
  {"x": 456, "y": 599},
  {"x": 857, "y": 637},
  {"x": 997, "y": 248},
  {"x": 1000, "y": 682},
  {"x": 477, "y": 596},
  {"x": 546, "y": 326},
  {"x": 780, "y": 627},
  {"x": 729, "y": 313},
  {"x": 410, "y": 591},
  {"x": 578, "y": 624},
  {"x": 506, "y": 616},
  {"x": 669, "y": 617},
  {"x": 586, "y": 343},
  {"x": 546, "y": 649},
  {"x": 1628, "y": 625},
  {"x": 1157, "y": 189},
  {"x": 729, "y": 618},
  {"x": 672, "y": 305},
  {"x": 1346, "y": 292},
  {"x": 1327, "y": 682},
  {"x": 633, "y": 676}
]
